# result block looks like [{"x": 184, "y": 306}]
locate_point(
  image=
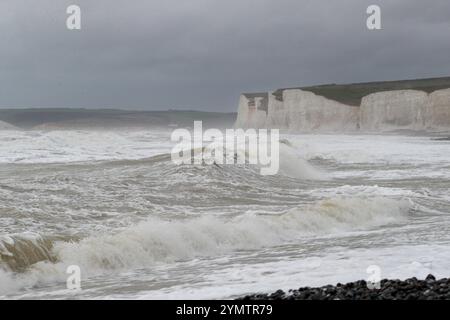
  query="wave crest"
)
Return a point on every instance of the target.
[
  {"x": 162, "y": 241},
  {"x": 19, "y": 251},
  {"x": 157, "y": 240}
]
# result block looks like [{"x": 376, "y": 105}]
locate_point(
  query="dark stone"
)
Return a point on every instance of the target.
[
  {"x": 409, "y": 289},
  {"x": 430, "y": 277}
]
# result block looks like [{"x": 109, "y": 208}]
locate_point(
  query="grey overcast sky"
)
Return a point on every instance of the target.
[{"x": 201, "y": 54}]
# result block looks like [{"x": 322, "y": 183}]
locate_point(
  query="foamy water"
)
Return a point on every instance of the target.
[{"x": 141, "y": 227}]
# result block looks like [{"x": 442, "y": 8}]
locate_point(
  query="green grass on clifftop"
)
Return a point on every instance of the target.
[{"x": 352, "y": 93}]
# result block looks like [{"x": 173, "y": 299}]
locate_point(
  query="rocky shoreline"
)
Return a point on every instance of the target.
[{"x": 409, "y": 289}]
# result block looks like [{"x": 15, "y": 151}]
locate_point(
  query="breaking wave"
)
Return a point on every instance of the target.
[
  {"x": 161, "y": 241},
  {"x": 291, "y": 163},
  {"x": 157, "y": 240}
]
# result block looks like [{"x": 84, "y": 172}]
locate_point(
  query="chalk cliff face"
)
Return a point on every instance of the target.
[
  {"x": 242, "y": 120},
  {"x": 277, "y": 114},
  {"x": 437, "y": 116},
  {"x": 299, "y": 110},
  {"x": 252, "y": 111},
  {"x": 310, "y": 112},
  {"x": 390, "y": 110}
]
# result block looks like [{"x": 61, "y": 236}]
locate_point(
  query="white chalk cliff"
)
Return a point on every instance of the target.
[
  {"x": 298, "y": 110},
  {"x": 252, "y": 111},
  {"x": 391, "y": 110},
  {"x": 307, "y": 111},
  {"x": 437, "y": 116}
]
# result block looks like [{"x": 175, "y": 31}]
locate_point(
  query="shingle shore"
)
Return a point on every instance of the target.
[{"x": 410, "y": 289}]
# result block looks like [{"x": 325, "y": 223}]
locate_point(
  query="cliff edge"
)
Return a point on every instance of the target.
[{"x": 410, "y": 104}]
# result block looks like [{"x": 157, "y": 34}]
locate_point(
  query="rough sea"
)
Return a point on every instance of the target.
[{"x": 141, "y": 227}]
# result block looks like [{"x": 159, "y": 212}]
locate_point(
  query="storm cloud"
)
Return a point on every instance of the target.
[{"x": 201, "y": 54}]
